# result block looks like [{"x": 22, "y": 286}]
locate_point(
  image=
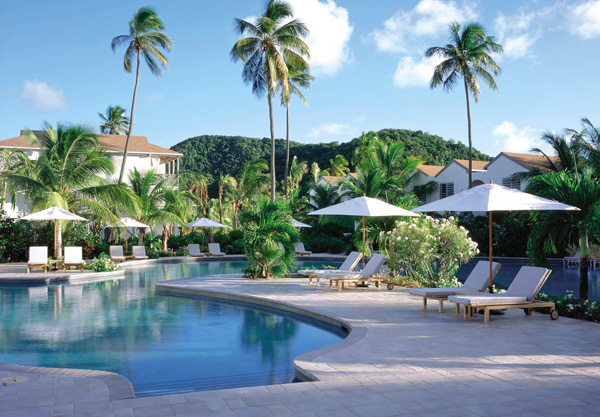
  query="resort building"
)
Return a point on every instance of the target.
[{"x": 141, "y": 154}]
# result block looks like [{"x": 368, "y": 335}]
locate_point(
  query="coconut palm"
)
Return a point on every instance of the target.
[
  {"x": 115, "y": 122},
  {"x": 198, "y": 186},
  {"x": 145, "y": 39},
  {"x": 339, "y": 167},
  {"x": 248, "y": 185},
  {"x": 70, "y": 173},
  {"x": 588, "y": 143},
  {"x": 297, "y": 172},
  {"x": 225, "y": 180},
  {"x": 12, "y": 161},
  {"x": 315, "y": 172},
  {"x": 467, "y": 56},
  {"x": 363, "y": 151},
  {"x": 390, "y": 159},
  {"x": 296, "y": 79},
  {"x": 274, "y": 42},
  {"x": 552, "y": 229}
]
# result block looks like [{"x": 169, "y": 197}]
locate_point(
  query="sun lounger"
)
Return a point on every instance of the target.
[
  {"x": 214, "y": 249},
  {"x": 139, "y": 253},
  {"x": 194, "y": 250},
  {"x": 520, "y": 294},
  {"x": 73, "y": 257},
  {"x": 300, "y": 250},
  {"x": 38, "y": 257},
  {"x": 572, "y": 260},
  {"x": 477, "y": 281},
  {"x": 116, "y": 254},
  {"x": 347, "y": 267},
  {"x": 368, "y": 274}
]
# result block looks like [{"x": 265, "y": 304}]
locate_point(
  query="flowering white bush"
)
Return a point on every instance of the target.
[{"x": 429, "y": 250}]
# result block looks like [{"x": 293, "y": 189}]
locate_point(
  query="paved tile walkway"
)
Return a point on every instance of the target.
[{"x": 398, "y": 360}]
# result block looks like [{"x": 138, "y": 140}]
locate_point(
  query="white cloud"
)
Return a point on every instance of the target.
[
  {"x": 41, "y": 96},
  {"x": 410, "y": 73},
  {"x": 330, "y": 32},
  {"x": 519, "y": 46},
  {"x": 428, "y": 19},
  {"x": 513, "y": 139},
  {"x": 517, "y": 33},
  {"x": 584, "y": 19},
  {"x": 154, "y": 97},
  {"x": 330, "y": 129}
]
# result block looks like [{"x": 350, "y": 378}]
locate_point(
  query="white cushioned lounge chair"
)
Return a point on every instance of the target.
[
  {"x": 520, "y": 294},
  {"x": 214, "y": 249},
  {"x": 477, "y": 281},
  {"x": 116, "y": 254},
  {"x": 194, "y": 250},
  {"x": 38, "y": 257},
  {"x": 301, "y": 250},
  {"x": 139, "y": 253},
  {"x": 572, "y": 260},
  {"x": 73, "y": 257},
  {"x": 347, "y": 267},
  {"x": 369, "y": 273}
]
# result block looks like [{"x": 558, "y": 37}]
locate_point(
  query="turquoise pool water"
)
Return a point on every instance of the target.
[{"x": 161, "y": 344}]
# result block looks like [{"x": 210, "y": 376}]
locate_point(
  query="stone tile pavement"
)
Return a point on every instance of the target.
[{"x": 398, "y": 360}]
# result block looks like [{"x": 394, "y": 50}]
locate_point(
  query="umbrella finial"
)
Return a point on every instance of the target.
[{"x": 491, "y": 181}]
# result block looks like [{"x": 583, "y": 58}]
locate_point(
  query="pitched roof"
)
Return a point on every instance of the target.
[
  {"x": 332, "y": 180},
  {"x": 477, "y": 165},
  {"x": 532, "y": 161},
  {"x": 114, "y": 143},
  {"x": 430, "y": 170}
]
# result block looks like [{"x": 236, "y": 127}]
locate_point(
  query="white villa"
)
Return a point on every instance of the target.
[{"x": 141, "y": 154}]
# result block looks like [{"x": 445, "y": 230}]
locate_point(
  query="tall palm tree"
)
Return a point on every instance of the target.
[
  {"x": 296, "y": 79},
  {"x": 12, "y": 161},
  {"x": 225, "y": 180},
  {"x": 363, "y": 151},
  {"x": 467, "y": 56},
  {"x": 588, "y": 143},
  {"x": 115, "y": 122},
  {"x": 297, "y": 172},
  {"x": 339, "y": 166},
  {"x": 69, "y": 174},
  {"x": 554, "y": 228},
  {"x": 266, "y": 53},
  {"x": 145, "y": 39},
  {"x": 390, "y": 159},
  {"x": 198, "y": 186},
  {"x": 248, "y": 185}
]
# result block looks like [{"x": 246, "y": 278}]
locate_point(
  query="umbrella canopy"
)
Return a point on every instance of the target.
[
  {"x": 129, "y": 222},
  {"x": 364, "y": 207},
  {"x": 492, "y": 197},
  {"x": 53, "y": 213},
  {"x": 296, "y": 223},
  {"x": 204, "y": 222}
]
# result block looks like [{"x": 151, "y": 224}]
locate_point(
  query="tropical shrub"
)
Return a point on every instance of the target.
[
  {"x": 102, "y": 264},
  {"x": 16, "y": 238},
  {"x": 428, "y": 250},
  {"x": 569, "y": 306}
]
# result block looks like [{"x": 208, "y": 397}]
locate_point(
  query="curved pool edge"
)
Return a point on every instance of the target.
[
  {"x": 354, "y": 333},
  {"x": 119, "y": 387}
]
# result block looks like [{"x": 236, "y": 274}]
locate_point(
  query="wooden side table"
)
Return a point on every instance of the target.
[{"x": 55, "y": 264}]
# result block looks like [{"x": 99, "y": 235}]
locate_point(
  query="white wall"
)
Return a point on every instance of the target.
[
  {"x": 141, "y": 162},
  {"x": 502, "y": 167}
]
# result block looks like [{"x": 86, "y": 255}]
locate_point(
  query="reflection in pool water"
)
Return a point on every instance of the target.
[{"x": 161, "y": 344}]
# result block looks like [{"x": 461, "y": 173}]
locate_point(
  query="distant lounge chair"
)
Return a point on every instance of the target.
[
  {"x": 214, "y": 249},
  {"x": 116, "y": 254},
  {"x": 347, "y": 267},
  {"x": 520, "y": 294},
  {"x": 368, "y": 274},
  {"x": 139, "y": 253},
  {"x": 572, "y": 260},
  {"x": 73, "y": 257},
  {"x": 194, "y": 250},
  {"x": 300, "y": 250},
  {"x": 38, "y": 257},
  {"x": 477, "y": 281}
]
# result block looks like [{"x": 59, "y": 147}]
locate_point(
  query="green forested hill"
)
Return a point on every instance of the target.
[{"x": 227, "y": 154}]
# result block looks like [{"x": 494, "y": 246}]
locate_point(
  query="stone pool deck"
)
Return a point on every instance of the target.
[{"x": 397, "y": 360}]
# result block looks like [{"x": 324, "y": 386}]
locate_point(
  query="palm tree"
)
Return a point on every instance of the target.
[
  {"x": 339, "y": 166},
  {"x": 69, "y": 174},
  {"x": 363, "y": 151},
  {"x": 323, "y": 195},
  {"x": 198, "y": 186},
  {"x": 266, "y": 53},
  {"x": 297, "y": 171},
  {"x": 315, "y": 172},
  {"x": 12, "y": 161},
  {"x": 296, "y": 80},
  {"x": 115, "y": 122},
  {"x": 390, "y": 159},
  {"x": 145, "y": 38},
  {"x": 225, "y": 180},
  {"x": 467, "y": 56},
  {"x": 559, "y": 228},
  {"x": 248, "y": 185},
  {"x": 588, "y": 143}
]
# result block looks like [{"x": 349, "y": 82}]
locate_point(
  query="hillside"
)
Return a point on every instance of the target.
[{"x": 226, "y": 154}]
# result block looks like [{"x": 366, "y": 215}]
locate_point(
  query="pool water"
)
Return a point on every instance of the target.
[{"x": 161, "y": 344}]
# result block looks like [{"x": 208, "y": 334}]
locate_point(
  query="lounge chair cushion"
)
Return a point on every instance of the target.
[
  {"x": 371, "y": 268},
  {"x": 38, "y": 255},
  {"x": 116, "y": 252},
  {"x": 299, "y": 248},
  {"x": 214, "y": 249},
  {"x": 527, "y": 282},
  {"x": 479, "y": 278},
  {"x": 347, "y": 267},
  {"x": 440, "y": 292},
  {"x": 482, "y": 300},
  {"x": 194, "y": 250},
  {"x": 73, "y": 255},
  {"x": 139, "y": 252}
]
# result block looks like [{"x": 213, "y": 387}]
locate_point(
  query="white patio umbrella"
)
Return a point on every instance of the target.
[
  {"x": 492, "y": 197},
  {"x": 204, "y": 222},
  {"x": 297, "y": 223},
  {"x": 127, "y": 223},
  {"x": 53, "y": 213},
  {"x": 364, "y": 207}
]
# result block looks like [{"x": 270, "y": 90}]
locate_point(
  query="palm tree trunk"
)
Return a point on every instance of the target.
[
  {"x": 583, "y": 266},
  {"x": 57, "y": 239},
  {"x": 273, "y": 184},
  {"x": 220, "y": 205},
  {"x": 137, "y": 80},
  {"x": 165, "y": 237},
  {"x": 470, "y": 139},
  {"x": 142, "y": 231},
  {"x": 287, "y": 151},
  {"x": 235, "y": 216}
]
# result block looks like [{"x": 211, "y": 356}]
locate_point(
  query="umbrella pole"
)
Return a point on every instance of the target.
[
  {"x": 363, "y": 257},
  {"x": 202, "y": 228},
  {"x": 490, "y": 251},
  {"x": 55, "y": 257},
  {"x": 126, "y": 232}
]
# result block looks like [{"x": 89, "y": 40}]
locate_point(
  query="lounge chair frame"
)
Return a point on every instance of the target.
[
  {"x": 302, "y": 252},
  {"x": 199, "y": 255},
  {"x": 38, "y": 265},
  {"x": 65, "y": 263},
  {"x": 340, "y": 282}
]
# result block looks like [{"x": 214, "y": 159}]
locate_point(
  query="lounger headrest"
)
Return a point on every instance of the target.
[
  {"x": 351, "y": 261},
  {"x": 528, "y": 282},
  {"x": 73, "y": 253},
  {"x": 479, "y": 278},
  {"x": 374, "y": 264}
]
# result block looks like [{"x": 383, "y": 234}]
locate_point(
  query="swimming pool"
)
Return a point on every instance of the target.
[{"x": 161, "y": 344}]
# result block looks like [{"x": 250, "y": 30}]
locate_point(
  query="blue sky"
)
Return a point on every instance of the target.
[{"x": 57, "y": 65}]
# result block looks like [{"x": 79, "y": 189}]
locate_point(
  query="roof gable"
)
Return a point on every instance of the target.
[
  {"x": 529, "y": 161},
  {"x": 430, "y": 170}
]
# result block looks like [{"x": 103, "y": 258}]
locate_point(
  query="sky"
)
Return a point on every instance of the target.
[{"x": 56, "y": 65}]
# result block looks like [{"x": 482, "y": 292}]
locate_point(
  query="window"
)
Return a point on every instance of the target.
[
  {"x": 511, "y": 183},
  {"x": 446, "y": 189}
]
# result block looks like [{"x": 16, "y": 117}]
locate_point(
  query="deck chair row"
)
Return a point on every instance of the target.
[{"x": 38, "y": 257}]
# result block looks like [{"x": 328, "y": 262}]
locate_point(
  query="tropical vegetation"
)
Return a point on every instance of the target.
[{"x": 114, "y": 121}]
